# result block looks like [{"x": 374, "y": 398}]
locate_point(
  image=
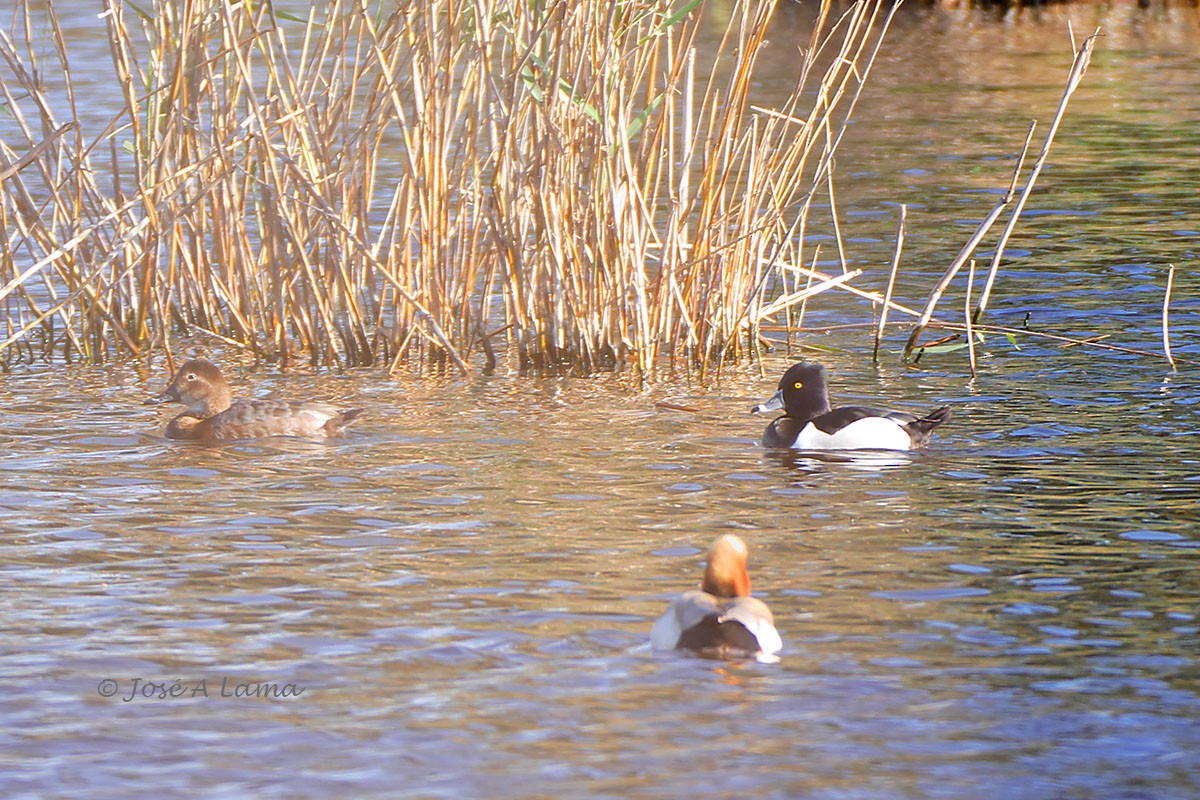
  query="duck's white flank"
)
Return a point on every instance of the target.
[{"x": 871, "y": 433}]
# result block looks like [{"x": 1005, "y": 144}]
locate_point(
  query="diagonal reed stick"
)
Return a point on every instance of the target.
[{"x": 1083, "y": 56}]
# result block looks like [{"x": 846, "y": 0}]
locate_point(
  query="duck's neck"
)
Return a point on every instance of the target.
[
  {"x": 219, "y": 399},
  {"x": 222, "y": 399}
]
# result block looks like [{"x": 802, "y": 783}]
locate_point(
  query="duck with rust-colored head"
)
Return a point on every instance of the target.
[
  {"x": 720, "y": 619},
  {"x": 809, "y": 423},
  {"x": 213, "y": 413}
]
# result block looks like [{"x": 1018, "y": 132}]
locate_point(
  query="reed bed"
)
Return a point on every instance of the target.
[{"x": 567, "y": 185}]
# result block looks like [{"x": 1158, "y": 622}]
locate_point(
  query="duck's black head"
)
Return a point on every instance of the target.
[{"x": 802, "y": 392}]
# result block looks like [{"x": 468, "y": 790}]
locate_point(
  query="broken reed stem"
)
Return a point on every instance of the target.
[
  {"x": 1082, "y": 58},
  {"x": 1166, "y": 331},
  {"x": 967, "y": 316},
  {"x": 1067, "y": 341},
  {"x": 887, "y": 294}
]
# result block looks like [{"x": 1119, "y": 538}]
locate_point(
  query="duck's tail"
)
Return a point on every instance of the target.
[
  {"x": 336, "y": 423},
  {"x": 921, "y": 428}
]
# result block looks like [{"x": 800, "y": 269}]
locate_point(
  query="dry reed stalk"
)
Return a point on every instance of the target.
[
  {"x": 967, "y": 317},
  {"x": 1166, "y": 308},
  {"x": 874, "y": 297},
  {"x": 795, "y": 298},
  {"x": 887, "y": 294}
]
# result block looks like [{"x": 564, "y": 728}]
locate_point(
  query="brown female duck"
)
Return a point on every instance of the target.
[{"x": 213, "y": 413}]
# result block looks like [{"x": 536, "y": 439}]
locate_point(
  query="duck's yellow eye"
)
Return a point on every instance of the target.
[{"x": 798, "y": 385}]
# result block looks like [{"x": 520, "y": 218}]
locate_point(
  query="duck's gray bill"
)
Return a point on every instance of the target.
[
  {"x": 167, "y": 396},
  {"x": 774, "y": 404}
]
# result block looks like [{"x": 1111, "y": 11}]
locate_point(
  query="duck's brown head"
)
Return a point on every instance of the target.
[{"x": 200, "y": 386}]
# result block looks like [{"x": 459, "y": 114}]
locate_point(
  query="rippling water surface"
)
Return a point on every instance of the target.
[{"x": 455, "y": 598}]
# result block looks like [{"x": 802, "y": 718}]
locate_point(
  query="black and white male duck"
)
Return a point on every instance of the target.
[
  {"x": 720, "y": 619},
  {"x": 213, "y": 413},
  {"x": 808, "y": 422}
]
